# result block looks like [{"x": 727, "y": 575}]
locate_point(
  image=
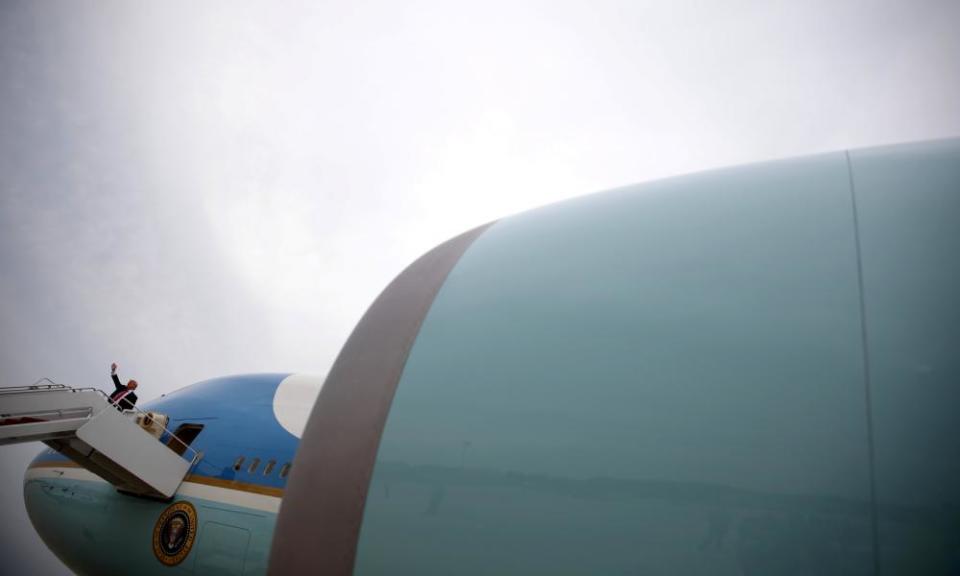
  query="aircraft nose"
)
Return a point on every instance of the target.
[
  {"x": 65, "y": 510},
  {"x": 42, "y": 499}
]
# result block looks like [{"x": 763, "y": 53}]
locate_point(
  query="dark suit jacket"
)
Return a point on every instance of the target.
[{"x": 128, "y": 401}]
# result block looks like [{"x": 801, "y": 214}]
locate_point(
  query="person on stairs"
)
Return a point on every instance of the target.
[{"x": 124, "y": 397}]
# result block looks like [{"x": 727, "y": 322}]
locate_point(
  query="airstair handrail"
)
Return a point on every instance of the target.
[
  {"x": 49, "y": 382},
  {"x": 111, "y": 406},
  {"x": 51, "y": 386},
  {"x": 80, "y": 412}
]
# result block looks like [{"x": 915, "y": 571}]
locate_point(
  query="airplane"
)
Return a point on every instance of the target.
[
  {"x": 234, "y": 438},
  {"x": 743, "y": 371}
]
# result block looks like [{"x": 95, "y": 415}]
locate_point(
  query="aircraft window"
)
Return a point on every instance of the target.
[
  {"x": 253, "y": 465},
  {"x": 183, "y": 437},
  {"x": 285, "y": 470},
  {"x": 269, "y": 467},
  {"x": 238, "y": 464}
]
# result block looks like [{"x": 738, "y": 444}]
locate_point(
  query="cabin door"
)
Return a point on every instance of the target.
[{"x": 222, "y": 549}]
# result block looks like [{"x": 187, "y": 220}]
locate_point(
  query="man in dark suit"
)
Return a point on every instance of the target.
[{"x": 124, "y": 397}]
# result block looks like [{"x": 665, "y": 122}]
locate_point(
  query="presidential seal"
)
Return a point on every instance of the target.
[{"x": 174, "y": 533}]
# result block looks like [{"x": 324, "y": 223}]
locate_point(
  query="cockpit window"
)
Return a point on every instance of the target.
[
  {"x": 269, "y": 467},
  {"x": 285, "y": 470},
  {"x": 253, "y": 465},
  {"x": 238, "y": 464}
]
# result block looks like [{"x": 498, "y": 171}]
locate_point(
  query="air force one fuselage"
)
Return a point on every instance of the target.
[
  {"x": 245, "y": 430},
  {"x": 745, "y": 371}
]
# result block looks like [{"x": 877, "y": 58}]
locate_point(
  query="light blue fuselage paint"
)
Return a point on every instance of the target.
[{"x": 94, "y": 529}]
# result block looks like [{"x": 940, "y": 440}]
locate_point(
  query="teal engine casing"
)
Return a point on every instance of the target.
[{"x": 746, "y": 371}]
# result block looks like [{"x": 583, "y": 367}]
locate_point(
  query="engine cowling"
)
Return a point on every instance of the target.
[{"x": 751, "y": 370}]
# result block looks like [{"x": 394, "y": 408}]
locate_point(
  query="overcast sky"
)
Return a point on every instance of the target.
[{"x": 202, "y": 189}]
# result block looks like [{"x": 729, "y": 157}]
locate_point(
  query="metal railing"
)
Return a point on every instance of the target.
[
  {"x": 50, "y": 385},
  {"x": 61, "y": 414},
  {"x": 131, "y": 413}
]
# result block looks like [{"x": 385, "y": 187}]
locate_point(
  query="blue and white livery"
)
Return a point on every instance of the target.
[{"x": 221, "y": 519}]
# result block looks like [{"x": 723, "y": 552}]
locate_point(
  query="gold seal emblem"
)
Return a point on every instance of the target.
[{"x": 174, "y": 533}]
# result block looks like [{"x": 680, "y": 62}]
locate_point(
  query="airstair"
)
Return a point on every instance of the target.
[{"x": 84, "y": 426}]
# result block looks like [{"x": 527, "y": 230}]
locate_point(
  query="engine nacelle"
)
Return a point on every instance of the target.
[{"x": 745, "y": 371}]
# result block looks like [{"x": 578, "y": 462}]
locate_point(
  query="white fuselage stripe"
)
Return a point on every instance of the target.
[{"x": 189, "y": 489}]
